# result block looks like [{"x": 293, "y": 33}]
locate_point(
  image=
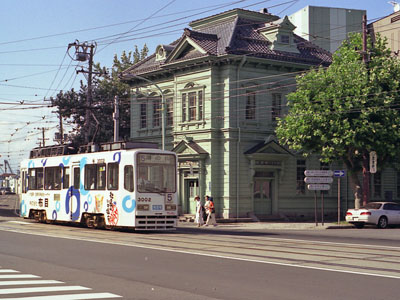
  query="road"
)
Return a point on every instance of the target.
[{"x": 226, "y": 262}]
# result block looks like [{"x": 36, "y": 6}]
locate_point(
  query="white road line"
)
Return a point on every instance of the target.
[
  {"x": 18, "y": 276},
  {"x": 8, "y": 271},
  {"x": 160, "y": 248},
  {"x": 70, "y": 297},
  {"x": 28, "y": 282},
  {"x": 43, "y": 289}
]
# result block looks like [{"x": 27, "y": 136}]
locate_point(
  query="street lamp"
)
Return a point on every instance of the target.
[{"x": 163, "y": 118}]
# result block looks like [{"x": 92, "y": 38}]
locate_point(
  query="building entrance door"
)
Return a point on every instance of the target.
[
  {"x": 262, "y": 196},
  {"x": 191, "y": 190}
]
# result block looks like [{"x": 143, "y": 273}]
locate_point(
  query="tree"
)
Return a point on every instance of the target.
[
  {"x": 347, "y": 110},
  {"x": 72, "y": 104}
]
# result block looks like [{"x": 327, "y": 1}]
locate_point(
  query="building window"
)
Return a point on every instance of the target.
[
  {"x": 183, "y": 107},
  {"x": 276, "y": 106},
  {"x": 156, "y": 112},
  {"x": 170, "y": 111},
  {"x": 377, "y": 185},
  {"x": 192, "y": 106},
  {"x": 143, "y": 115},
  {"x": 251, "y": 106},
  {"x": 200, "y": 94},
  {"x": 284, "y": 39},
  {"x": 300, "y": 184}
]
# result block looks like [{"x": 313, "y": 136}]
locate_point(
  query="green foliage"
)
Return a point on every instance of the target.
[
  {"x": 348, "y": 109},
  {"x": 105, "y": 87}
]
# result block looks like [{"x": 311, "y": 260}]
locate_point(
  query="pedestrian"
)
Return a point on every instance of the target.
[
  {"x": 210, "y": 209},
  {"x": 199, "y": 212}
]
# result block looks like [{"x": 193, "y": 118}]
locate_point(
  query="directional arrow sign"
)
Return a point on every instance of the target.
[
  {"x": 318, "y": 173},
  {"x": 318, "y": 187},
  {"x": 339, "y": 173},
  {"x": 318, "y": 180}
]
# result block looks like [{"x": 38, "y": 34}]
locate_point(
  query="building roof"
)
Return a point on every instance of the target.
[{"x": 235, "y": 32}]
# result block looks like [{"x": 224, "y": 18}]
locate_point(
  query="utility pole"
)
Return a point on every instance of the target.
[
  {"x": 82, "y": 54},
  {"x": 116, "y": 119},
  {"x": 365, "y": 154}
]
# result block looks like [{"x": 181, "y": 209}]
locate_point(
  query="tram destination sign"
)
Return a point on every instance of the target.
[{"x": 318, "y": 187}]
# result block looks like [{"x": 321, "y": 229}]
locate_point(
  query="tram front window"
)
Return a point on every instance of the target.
[{"x": 156, "y": 173}]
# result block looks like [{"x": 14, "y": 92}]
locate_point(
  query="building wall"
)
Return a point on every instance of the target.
[
  {"x": 388, "y": 27},
  {"x": 327, "y": 27}
]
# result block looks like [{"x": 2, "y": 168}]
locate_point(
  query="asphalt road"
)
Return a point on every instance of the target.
[{"x": 226, "y": 262}]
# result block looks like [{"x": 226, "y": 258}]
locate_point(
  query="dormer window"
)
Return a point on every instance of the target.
[
  {"x": 162, "y": 51},
  {"x": 285, "y": 39}
]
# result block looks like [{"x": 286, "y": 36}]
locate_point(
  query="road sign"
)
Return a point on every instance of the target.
[
  {"x": 373, "y": 162},
  {"x": 318, "y": 187},
  {"x": 318, "y": 180},
  {"x": 339, "y": 173},
  {"x": 318, "y": 173}
]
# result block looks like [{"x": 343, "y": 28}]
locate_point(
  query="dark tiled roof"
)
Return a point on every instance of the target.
[{"x": 237, "y": 35}]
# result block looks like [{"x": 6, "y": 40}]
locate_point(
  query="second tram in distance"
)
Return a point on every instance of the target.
[{"x": 117, "y": 185}]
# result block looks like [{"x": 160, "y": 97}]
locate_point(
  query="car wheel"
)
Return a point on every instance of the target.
[
  {"x": 359, "y": 225},
  {"x": 383, "y": 222}
]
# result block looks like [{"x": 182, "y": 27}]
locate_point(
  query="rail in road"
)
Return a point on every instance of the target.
[{"x": 371, "y": 260}]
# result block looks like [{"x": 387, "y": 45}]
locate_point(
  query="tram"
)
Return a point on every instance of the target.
[{"x": 122, "y": 184}]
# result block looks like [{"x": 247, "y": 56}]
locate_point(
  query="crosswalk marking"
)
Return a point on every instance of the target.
[
  {"x": 23, "y": 286},
  {"x": 28, "y": 282},
  {"x": 70, "y": 297},
  {"x": 43, "y": 289},
  {"x": 18, "y": 276},
  {"x": 8, "y": 271}
]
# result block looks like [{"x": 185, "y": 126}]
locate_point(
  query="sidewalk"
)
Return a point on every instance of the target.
[{"x": 269, "y": 226}]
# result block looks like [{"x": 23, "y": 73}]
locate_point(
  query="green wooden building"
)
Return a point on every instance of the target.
[{"x": 222, "y": 85}]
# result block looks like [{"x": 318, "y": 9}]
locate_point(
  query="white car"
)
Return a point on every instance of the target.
[{"x": 381, "y": 214}]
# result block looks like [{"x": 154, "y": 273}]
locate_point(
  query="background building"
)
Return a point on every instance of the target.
[{"x": 326, "y": 27}]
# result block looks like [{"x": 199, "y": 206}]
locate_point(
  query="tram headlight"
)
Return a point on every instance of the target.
[
  {"x": 170, "y": 207},
  {"x": 143, "y": 207}
]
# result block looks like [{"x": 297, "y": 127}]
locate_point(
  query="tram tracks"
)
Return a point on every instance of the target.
[{"x": 371, "y": 260}]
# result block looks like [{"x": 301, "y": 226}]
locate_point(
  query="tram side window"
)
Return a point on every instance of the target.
[
  {"x": 128, "y": 178},
  {"x": 95, "y": 177},
  {"x": 35, "y": 179},
  {"x": 66, "y": 176},
  {"x": 77, "y": 178},
  {"x": 112, "y": 176},
  {"x": 52, "y": 178}
]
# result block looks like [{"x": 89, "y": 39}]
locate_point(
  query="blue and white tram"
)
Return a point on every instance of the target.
[{"x": 112, "y": 188}]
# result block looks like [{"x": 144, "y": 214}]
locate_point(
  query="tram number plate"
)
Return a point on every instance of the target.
[{"x": 157, "y": 207}]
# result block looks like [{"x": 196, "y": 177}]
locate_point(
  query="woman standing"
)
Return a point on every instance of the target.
[
  {"x": 199, "y": 212},
  {"x": 209, "y": 206}
]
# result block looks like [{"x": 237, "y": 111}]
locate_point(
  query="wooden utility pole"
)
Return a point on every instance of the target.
[{"x": 81, "y": 54}]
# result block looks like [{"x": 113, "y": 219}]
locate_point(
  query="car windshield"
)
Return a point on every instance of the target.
[{"x": 372, "y": 206}]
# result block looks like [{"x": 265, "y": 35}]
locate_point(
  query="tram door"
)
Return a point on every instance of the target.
[
  {"x": 76, "y": 177},
  {"x": 191, "y": 190}
]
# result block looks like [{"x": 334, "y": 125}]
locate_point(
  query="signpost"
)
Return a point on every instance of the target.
[
  {"x": 318, "y": 180},
  {"x": 339, "y": 174}
]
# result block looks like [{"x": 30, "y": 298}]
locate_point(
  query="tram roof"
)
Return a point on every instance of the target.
[{"x": 59, "y": 150}]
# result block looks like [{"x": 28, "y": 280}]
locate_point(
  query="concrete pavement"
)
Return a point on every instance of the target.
[{"x": 270, "y": 226}]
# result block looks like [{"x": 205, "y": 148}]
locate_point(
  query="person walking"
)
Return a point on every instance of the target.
[
  {"x": 209, "y": 206},
  {"x": 199, "y": 212}
]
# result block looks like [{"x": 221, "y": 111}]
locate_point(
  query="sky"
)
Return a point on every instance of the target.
[{"x": 35, "y": 63}]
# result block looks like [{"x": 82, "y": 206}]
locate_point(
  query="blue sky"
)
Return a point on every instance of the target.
[{"x": 34, "y": 63}]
